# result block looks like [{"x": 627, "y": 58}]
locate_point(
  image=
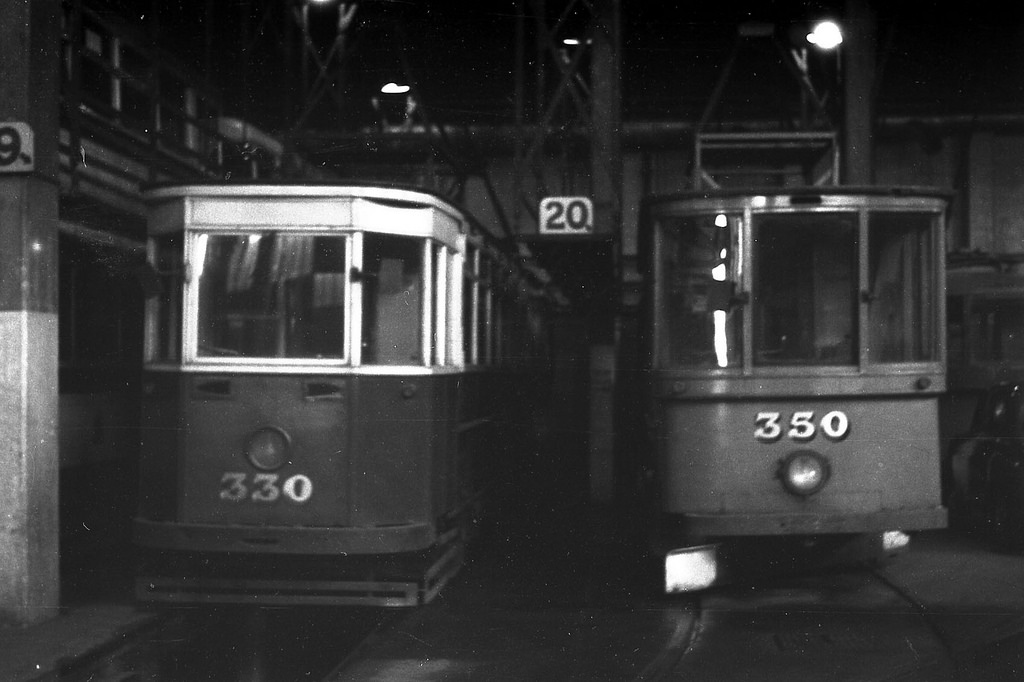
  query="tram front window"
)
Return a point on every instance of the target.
[
  {"x": 805, "y": 289},
  {"x": 392, "y": 300},
  {"x": 903, "y": 306},
  {"x": 700, "y": 320},
  {"x": 270, "y": 295}
]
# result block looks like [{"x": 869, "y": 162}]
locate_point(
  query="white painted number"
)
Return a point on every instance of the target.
[
  {"x": 835, "y": 425},
  {"x": 767, "y": 426},
  {"x": 801, "y": 427},
  {"x": 298, "y": 488},
  {"x": 233, "y": 487},
  {"x": 264, "y": 488}
]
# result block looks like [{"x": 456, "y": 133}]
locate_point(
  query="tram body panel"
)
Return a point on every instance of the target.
[
  {"x": 162, "y": 432},
  {"x": 349, "y": 445},
  {"x": 719, "y": 458},
  {"x": 397, "y": 416},
  {"x": 219, "y": 485}
]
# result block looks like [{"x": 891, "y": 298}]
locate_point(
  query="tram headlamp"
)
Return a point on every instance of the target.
[
  {"x": 267, "y": 449},
  {"x": 804, "y": 472}
]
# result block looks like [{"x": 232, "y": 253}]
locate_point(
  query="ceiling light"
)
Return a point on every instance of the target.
[{"x": 826, "y": 35}]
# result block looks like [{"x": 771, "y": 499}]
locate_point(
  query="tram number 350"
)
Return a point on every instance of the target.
[
  {"x": 802, "y": 426},
  {"x": 239, "y": 487}
]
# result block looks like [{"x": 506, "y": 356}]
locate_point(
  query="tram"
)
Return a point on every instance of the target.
[
  {"x": 329, "y": 378},
  {"x": 981, "y": 413},
  {"x": 794, "y": 355}
]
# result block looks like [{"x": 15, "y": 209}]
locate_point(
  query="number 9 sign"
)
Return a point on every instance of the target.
[
  {"x": 566, "y": 215},
  {"x": 16, "y": 148}
]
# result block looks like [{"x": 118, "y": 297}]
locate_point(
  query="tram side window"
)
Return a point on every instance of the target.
[
  {"x": 164, "y": 310},
  {"x": 457, "y": 311},
  {"x": 392, "y": 300},
  {"x": 499, "y": 310},
  {"x": 485, "y": 315},
  {"x": 440, "y": 332},
  {"x": 805, "y": 289},
  {"x": 997, "y": 330},
  {"x": 271, "y": 295},
  {"x": 903, "y": 311},
  {"x": 470, "y": 306},
  {"x": 699, "y": 321}
]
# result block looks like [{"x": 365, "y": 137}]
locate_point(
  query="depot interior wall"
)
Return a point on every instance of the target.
[
  {"x": 1006, "y": 199},
  {"x": 984, "y": 171},
  {"x": 981, "y": 168},
  {"x": 644, "y": 172}
]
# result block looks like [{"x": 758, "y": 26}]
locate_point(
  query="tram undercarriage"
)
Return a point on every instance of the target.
[
  {"x": 392, "y": 580},
  {"x": 752, "y": 558}
]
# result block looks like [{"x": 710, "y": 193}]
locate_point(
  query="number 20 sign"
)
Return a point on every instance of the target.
[{"x": 566, "y": 215}]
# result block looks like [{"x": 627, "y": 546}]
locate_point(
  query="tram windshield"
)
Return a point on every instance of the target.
[
  {"x": 805, "y": 289},
  {"x": 903, "y": 321},
  {"x": 700, "y": 321},
  {"x": 271, "y": 294},
  {"x": 811, "y": 288}
]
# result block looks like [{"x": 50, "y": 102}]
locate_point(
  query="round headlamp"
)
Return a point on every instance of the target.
[
  {"x": 804, "y": 472},
  {"x": 268, "y": 448}
]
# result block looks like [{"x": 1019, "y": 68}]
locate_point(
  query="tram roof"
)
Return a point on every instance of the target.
[
  {"x": 295, "y": 188},
  {"x": 377, "y": 191}
]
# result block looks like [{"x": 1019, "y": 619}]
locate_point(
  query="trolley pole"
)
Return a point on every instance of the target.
[{"x": 29, "y": 196}]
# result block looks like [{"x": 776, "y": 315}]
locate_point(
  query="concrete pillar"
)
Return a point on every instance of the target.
[
  {"x": 602, "y": 434},
  {"x": 29, "y": 195}
]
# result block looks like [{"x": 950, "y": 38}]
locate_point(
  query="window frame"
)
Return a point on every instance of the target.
[{"x": 190, "y": 308}]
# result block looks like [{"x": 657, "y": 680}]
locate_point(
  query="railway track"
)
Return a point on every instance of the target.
[
  {"x": 243, "y": 644},
  {"x": 838, "y": 626},
  {"x": 949, "y": 611}
]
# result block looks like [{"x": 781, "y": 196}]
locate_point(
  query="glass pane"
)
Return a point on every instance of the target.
[
  {"x": 485, "y": 315},
  {"x": 392, "y": 300},
  {"x": 901, "y": 288},
  {"x": 805, "y": 289},
  {"x": 168, "y": 263},
  {"x": 469, "y": 308},
  {"x": 997, "y": 328},
  {"x": 439, "y": 332},
  {"x": 699, "y": 321},
  {"x": 272, "y": 295}
]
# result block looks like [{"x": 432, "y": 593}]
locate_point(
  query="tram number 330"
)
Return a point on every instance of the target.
[
  {"x": 238, "y": 487},
  {"x": 802, "y": 426}
]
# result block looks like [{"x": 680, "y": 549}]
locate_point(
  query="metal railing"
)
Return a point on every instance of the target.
[{"x": 131, "y": 115}]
